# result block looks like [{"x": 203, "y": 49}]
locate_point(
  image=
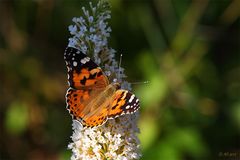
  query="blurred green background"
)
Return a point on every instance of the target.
[{"x": 189, "y": 50}]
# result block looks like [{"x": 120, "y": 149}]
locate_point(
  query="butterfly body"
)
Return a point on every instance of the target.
[{"x": 91, "y": 99}]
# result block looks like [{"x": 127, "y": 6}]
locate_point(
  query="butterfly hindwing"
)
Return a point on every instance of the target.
[
  {"x": 78, "y": 106},
  {"x": 75, "y": 102},
  {"x": 96, "y": 119},
  {"x": 124, "y": 102}
]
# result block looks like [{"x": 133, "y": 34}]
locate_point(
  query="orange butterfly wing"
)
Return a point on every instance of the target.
[
  {"x": 75, "y": 99},
  {"x": 83, "y": 73},
  {"x": 87, "y": 81},
  {"x": 124, "y": 102},
  {"x": 78, "y": 104}
]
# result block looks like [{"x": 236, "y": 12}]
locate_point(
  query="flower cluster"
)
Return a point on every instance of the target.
[
  {"x": 116, "y": 139},
  {"x": 90, "y": 35},
  {"x": 90, "y": 32}
]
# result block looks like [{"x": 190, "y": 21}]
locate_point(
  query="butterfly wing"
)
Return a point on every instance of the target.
[
  {"x": 74, "y": 100},
  {"x": 86, "y": 81},
  {"x": 83, "y": 73},
  {"x": 96, "y": 117},
  {"x": 124, "y": 102},
  {"x": 96, "y": 112},
  {"x": 77, "y": 105}
]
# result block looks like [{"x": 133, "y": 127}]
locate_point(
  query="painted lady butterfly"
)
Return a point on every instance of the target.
[{"x": 91, "y": 99}]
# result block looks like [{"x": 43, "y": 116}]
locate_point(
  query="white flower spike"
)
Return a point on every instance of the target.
[{"x": 116, "y": 139}]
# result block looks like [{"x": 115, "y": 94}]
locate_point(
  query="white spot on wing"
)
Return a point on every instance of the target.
[
  {"x": 75, "y": 63},
  {"x": 131, "y": 98},
  {"x": 85, "y": 60}
]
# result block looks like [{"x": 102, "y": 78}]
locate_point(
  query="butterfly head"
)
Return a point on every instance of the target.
[{"x": 116, "y": 85}]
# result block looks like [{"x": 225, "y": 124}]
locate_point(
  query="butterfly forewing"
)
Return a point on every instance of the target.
[{"x": 82, "y": 71}]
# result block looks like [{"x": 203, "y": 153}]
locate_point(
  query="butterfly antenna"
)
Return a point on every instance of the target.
[
  {"x": 119, "y": 66},
  {"x": 144, "y": 82}
]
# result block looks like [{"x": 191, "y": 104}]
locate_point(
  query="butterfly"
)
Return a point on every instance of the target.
[{"x": 91, "y": 99}]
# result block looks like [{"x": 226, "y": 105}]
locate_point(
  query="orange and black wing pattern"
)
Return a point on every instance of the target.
[
  {"x": 82, "y": 71},
  {"x": 91, "y": 99},
  {"x": 86, "y": 81},
  {"x": 75, "y": 102},
  {"x": 124, "y": 102}
]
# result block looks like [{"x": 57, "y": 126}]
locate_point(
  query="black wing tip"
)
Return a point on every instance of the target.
[{"x": 132, "y": 104}]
